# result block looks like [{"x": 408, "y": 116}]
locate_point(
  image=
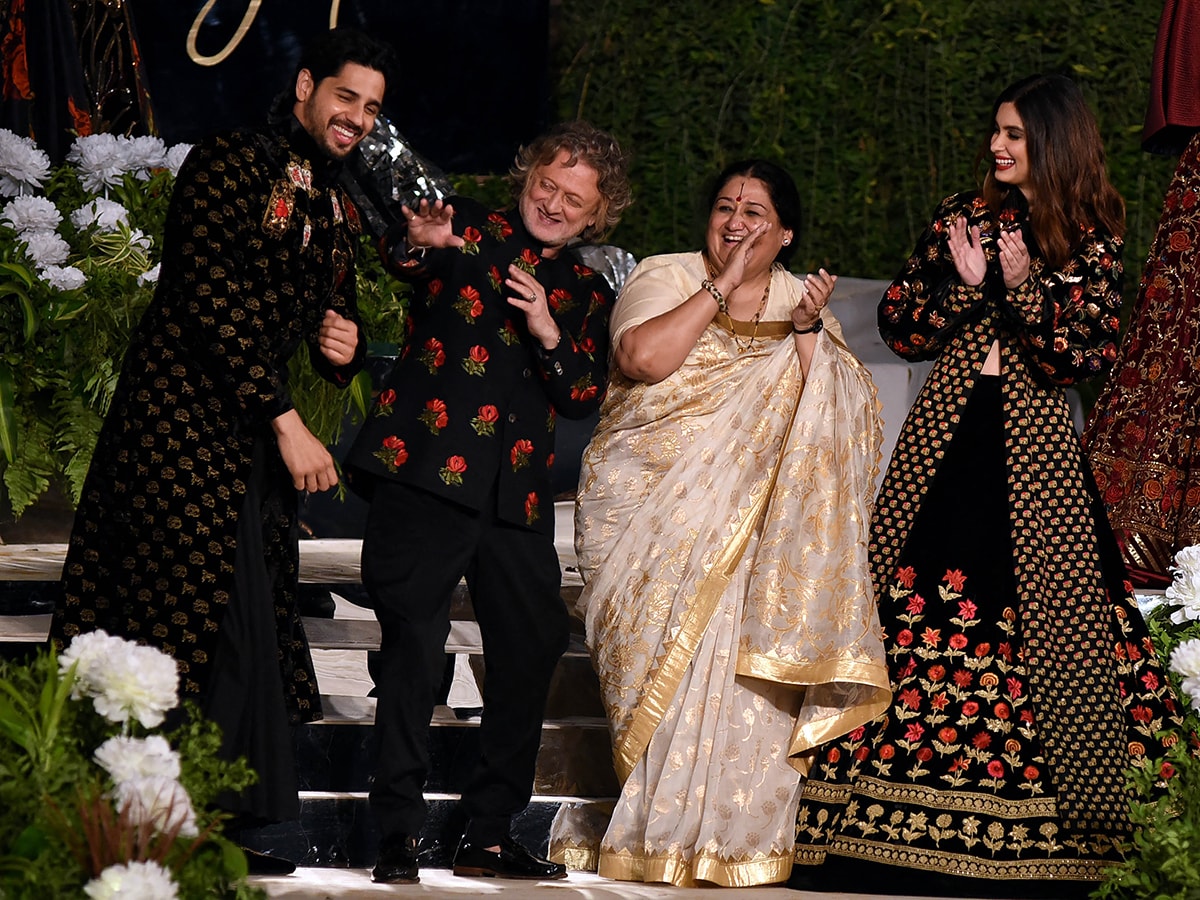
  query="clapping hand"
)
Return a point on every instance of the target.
[{"x": 966, "y": 249}]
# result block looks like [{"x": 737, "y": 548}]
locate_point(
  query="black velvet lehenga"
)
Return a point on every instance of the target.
[{"x": 949, "y": 792}]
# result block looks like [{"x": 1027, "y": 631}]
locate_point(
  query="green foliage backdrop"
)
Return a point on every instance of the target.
[{"x": 877, "y": 109}]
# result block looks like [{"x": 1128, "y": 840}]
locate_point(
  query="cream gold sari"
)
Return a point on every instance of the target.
[{"x": 721, "y": 530}]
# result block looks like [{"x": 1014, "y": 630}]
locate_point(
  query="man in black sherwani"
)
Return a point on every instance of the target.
[{"x": 185, "y": 537}]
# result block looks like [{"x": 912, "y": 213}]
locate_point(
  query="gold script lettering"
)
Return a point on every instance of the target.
[{"x": 247, "y": 20}]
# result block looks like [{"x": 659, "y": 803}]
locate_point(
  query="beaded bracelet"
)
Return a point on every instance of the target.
[{"x": 716, "y": 295}]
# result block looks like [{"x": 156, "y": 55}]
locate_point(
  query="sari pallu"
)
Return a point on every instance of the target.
[{"x": 721, "y": 532}]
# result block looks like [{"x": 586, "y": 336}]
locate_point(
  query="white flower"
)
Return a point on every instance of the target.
[
  {"x": 127, "y": 758},
  {"x": 144, "y": 154},
  {"x": 158, "y": 800},
  {"x": 150, "y": 276},
  {"x": 1184, "y": 591},
  {"x": 138, "y": 239},
  {"x": 63, "y": 278},
  {"x": 31, "y": 214},
  {"x": 133, "y": 881},
  {"x": 1185, "y": 662},
  {"x": 45, "y": 248},
  {"x": 23, "y": 167},
  {"x": 175, "y": 157},
  {"x": 101, "y": 159},
  {"x": 105, "y": 214},
  {"x": 123, "y": 679}
]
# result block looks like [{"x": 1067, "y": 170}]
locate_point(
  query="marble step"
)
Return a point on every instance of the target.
[
  {"x": 338, "y": 755},
  {"x": 335, "y": 830}
]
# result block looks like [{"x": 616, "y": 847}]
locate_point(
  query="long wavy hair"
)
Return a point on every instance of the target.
[
  {"x": 599, "y": 149},
  {"x": 1067, "y": 172}
]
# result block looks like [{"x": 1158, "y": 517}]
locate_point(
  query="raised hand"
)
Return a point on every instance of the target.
[
  {"x": 1014, "y": 257},
  {"x": 819, "y": 287},
  {"x": 966, "y": 250},
  {"x": 431, "y": 225}
]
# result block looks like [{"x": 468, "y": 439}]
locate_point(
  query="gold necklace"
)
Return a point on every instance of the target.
[{"x": 733, "y": 323}]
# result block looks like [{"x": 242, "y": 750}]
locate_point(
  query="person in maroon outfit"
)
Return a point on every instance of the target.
[{"x": 1142, "y": 435}]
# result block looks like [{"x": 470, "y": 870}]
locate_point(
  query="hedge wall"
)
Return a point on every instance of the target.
[{"x": 877, "y": 109}]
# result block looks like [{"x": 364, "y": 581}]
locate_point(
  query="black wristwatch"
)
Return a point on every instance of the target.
[{"x": 814, "y": 328}]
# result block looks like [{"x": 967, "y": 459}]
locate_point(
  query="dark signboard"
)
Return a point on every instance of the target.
[{"x": 472, "y": 82}]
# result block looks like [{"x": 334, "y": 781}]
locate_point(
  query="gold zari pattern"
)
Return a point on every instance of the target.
[{"x": 721, "y": 531}]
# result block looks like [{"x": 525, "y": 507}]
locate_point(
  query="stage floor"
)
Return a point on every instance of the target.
[{"x": 351, "y": 884}]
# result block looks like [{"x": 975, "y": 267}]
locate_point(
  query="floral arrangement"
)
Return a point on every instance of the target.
[
  {"x": 79, "y": 250},
  {"x": 1164, "y": 862},
  {"x": 97, "y": 800}
]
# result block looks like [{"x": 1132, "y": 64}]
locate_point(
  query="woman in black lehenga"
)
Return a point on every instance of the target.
[{"x": 1024, "y": 680}]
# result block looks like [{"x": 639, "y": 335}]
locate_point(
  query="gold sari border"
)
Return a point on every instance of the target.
[
  {"x": 649, "y": 714},
  {"x": 810, "y": 735},
  {"x": 808, "y": 674},
  {"x": 749, "y": 329},
  {"x": 577, "y": 859},
  {"x": 674, "y": 869}
]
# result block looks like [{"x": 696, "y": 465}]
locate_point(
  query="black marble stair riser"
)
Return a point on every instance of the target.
[
  {"x": 574, "y": 759},
  {"x": 337, "y": 831},
  {"x": 26, "y": 598}
]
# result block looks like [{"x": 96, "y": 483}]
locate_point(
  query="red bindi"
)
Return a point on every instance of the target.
[{"x": 738, "y": 198}]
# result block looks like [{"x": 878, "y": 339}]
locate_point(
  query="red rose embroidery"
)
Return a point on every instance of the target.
[
  {"x": 435, "y": 416},
  {"x": 433, "y": 355},
  {"x": 393, "y": 453},
  {"x": 476, "y": 361},
  {"x": 452, "y": 472},
  {"x": 485, "y": 422},
  {"x": 531, "y": 508},
  {"x": 471, "y": 238},
  {"x": 520, "y": 454}
]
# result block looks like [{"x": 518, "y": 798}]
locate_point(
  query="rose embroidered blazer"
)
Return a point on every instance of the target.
[{"x": 472, "y": 400}]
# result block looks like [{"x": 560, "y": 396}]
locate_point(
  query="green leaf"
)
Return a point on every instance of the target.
[
  {"x": 18, "y": 270},
  {"x": 29, "y": 328},
  {"x": 8, "y": 415},
  {"x": 360, "y": 393}
]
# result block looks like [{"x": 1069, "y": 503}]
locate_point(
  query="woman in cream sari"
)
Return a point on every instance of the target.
[{"x": 721, "y": 532}]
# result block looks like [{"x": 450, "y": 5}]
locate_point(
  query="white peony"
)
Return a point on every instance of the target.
[
  {"x": 105, "y": 214},
  {"x": 150, "y": 276},
  {"x": 101, "y": 159},
  {"x": 1185, "y": 662},
  {"x": 144, "y": 154},
  {"x": 133, "y": 881},
  {"x": 127, "y": 758},
  {"x": 175, "y": 157},
  {"x": 23, "y": 167},
  {"x": 158, "y": 800},
  {"x": 123, "y": 679},
  {"x": 63, "y": 278},
  {"x": 1184, "y": 591},
  {"x": 45, "y": 248},
  {"x": 24, "y": 214}
]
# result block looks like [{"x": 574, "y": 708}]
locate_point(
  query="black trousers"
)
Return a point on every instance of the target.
[{"x": 416, "y": 548}]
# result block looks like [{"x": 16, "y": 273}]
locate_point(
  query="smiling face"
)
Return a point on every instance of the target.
[
  {"x": 340, "y": 110},
  {"x": 559, "y": 202},
  {"x": 1010, "y": 150},
  {"x": 743, "y": 203}
]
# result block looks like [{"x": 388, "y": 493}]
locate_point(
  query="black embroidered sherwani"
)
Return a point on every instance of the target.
[
  {"x": 457, "y": 453},
  {"x": 259, "y": 242}
]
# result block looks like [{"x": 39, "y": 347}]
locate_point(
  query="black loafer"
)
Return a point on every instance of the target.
[
  {"x": 513, "y": 861},
  {"x": 397, "y": 861}
]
